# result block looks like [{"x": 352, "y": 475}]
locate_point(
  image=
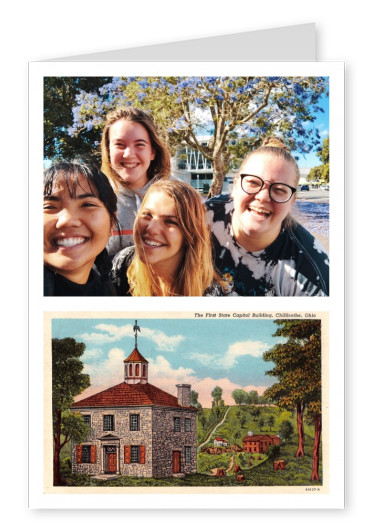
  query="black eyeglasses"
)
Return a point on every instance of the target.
[{"x": 279, "y": 192}]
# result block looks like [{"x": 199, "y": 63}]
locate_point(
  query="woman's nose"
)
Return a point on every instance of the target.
[
  {"x": 153, "y": 226},
  {"x": 263, "y": 193},
  {"x": 67, "y": 217},
  {"x": 127, "y": 152}
]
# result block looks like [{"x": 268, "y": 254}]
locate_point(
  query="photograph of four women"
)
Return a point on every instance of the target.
[{"x": 131, "y": 228}]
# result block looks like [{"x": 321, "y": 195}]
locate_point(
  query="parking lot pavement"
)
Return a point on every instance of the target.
[{"x": 315, "y": 195}]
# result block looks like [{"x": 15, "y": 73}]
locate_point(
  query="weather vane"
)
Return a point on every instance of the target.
[{"x": 135, "y": 328}]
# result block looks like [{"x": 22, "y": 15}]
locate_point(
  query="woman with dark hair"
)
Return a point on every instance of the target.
[
  {"x": 260, "y": 249},
  {"x": 133, "y": 157},
  {"x": 172, "y": 255},
  {"x": 79, "y": 214}
]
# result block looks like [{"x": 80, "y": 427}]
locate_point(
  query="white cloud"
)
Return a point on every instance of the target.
[
  {"x": 113, "y": 333},
  {"x": 162, "y": 375},
  {"x": 92, "y": 354},
  {"x": 108, "y": 372},
  {"x": 163, "y": 341},
  {"x": 203, "y": 358},
  {"x": 254, "y": 349}
]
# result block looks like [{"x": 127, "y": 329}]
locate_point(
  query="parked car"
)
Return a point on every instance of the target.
[{"x": 304, "y": 188}]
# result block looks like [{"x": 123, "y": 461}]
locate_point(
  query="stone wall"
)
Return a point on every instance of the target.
[
  {"x": 166, "y": 441},
  {"x": 156, "y": 434}
]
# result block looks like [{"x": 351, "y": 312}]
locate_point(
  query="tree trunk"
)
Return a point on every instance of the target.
[
  {"x": 57, "y": 479},
  {"x": 300, "y": 426},
  {"x": 316, "y": 449},
  {"x": 219, "y": 173}
]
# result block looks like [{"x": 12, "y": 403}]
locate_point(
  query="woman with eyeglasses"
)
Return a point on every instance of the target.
[{"x": 260, "y": 250}]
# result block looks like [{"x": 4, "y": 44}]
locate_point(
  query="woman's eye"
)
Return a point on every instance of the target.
[
  {"x": 280, "y": 191},
  {"x": 49, "y": 207},
  {"x": 253, "y": 183}
]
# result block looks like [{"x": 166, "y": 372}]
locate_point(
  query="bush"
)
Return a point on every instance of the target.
[
  {"x": 65, "y": 466},
  {"x": 273, "y": 451}
]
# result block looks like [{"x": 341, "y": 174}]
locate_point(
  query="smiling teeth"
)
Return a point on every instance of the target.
[
  {"x": 153, "y": 244},
  {"x": 130, "y": 165},
  {"x": 70, "y": 242},
  {"x": 260, "y": 211}
]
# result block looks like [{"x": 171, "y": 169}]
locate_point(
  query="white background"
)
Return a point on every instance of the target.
[{"x": 44, "y": 29}]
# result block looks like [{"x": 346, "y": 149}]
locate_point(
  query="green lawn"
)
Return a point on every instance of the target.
[{"x": 238, "y": 423}]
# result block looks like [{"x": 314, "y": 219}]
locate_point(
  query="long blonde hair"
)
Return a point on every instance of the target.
[
  {"x": 159, "y": 168},
  {"x": 196, "y": 272}
]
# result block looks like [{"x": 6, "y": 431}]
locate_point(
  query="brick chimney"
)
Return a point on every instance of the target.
[{"x": 184, "y": 394}]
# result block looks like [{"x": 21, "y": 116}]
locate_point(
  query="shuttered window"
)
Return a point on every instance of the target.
[
  {"x": 134, "y": 454},
  {"x": 86, "y": 453}
]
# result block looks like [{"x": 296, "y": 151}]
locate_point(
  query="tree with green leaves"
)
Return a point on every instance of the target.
[
  {"x": 297, "y": 366},
  {"x": 255, "y": 412},
  {"x": 194, "y": 400},
  {"x": 252, "y": 398},
  {"x": 59, "y": 97},
  {"x": 234, "y": 112},
  {"x": 286, "y": 430},
  {"x": 239, "y": 396},
  {"x": 270, "y": 421},
  {"x": 68, "y": 381},
  {"x": 321, "y": 173},
  {"x": 217, "y": 397}
]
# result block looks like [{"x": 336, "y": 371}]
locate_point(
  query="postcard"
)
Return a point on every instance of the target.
[{"x": 192, "y": 396}]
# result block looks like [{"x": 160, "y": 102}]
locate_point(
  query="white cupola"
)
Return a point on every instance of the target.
[{"x": 136, "y": 366}]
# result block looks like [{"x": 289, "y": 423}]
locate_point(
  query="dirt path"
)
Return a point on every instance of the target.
[
  {"x": 213, "y": 471},
  {"x": 215, "y": 427},
  {"x": 231, "y": 464}
]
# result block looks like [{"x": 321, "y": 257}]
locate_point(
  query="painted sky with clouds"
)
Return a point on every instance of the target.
[{"x": 200, "y": 352}]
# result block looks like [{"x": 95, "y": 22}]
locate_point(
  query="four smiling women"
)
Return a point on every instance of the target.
[{"x": 160, "y": 229}]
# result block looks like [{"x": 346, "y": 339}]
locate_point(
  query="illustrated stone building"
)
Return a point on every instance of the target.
[
  {"x": 259, "y": 443},
  {"x": 136, "y": 428}
]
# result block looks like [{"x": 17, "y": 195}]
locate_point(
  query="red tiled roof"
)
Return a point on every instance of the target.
[
  {"x": 130, "y": 395},
  {"x": 136, "y": 356}
]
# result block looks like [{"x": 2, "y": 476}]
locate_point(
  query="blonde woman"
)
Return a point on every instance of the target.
[
  {"x": 260, "y": 250},
  {"x": 172, "y": 255},
  {"x": 133, "y": 157}
]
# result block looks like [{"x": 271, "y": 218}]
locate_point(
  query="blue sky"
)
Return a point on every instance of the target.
[
  {"x": 201, "y": 352},
  {"x": 310, "y": 160}
]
